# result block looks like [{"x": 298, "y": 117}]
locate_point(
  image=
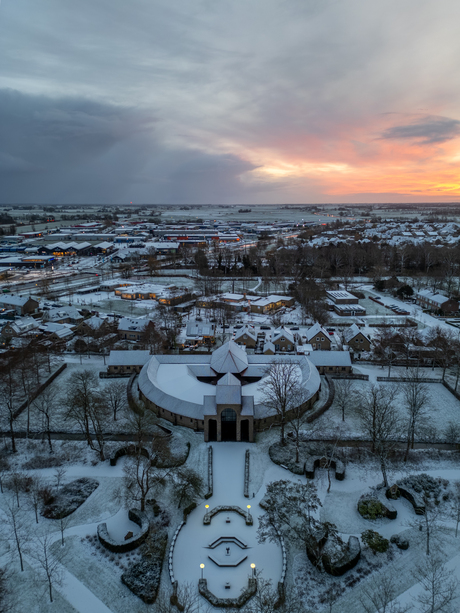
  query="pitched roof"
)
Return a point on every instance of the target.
[
  {"x": 314, "y": 330},
  {"x": 282, "y": 332},
  {"x": 249, "y": 331},
  {"x": 229, "y": 358},
  {"x": 351, "y": 332}
]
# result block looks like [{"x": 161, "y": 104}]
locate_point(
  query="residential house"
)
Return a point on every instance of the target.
[
  {"x": 22, "y": 305},
  {"x": 318, "y": 338},
  {"x": 133, "y": 329},
  {"x": 95, "y": 326},
  {"x": 200, "y": 333},
  {"x": 356, "y": 339},
  {"x": 246, "y": 336},
  {"x": 283, "y": 340},
  {"x": 268, "y": 348},
  {"x": 436, "y": 302},
  {"x": 24, "y": 326},
  {"x": 63, "y": 315}
]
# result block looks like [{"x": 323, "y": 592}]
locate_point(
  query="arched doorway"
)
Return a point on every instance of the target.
[
  {"x": 212, "y": 432},
  {"x": 228, "y": 422}
]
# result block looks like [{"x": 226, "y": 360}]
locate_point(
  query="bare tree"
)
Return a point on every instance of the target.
[
  {"x": 59, "y": 474},
  {"x": 4, "y": 472},
  {"x": 379, "y": 594},
  {"x": 17, "y": 481},
  {"x": 35, "y": 493},
  {"x": 187, "y": 486},
  {"x": 49, "y": 562},
  {"x": 86, "y": 407},
  {"x": 17, "y": 528},
  {"x": 380, "y": 421},
  {"x": 46, "y": 404},
  {"x": 416, "y": 399},
  {"x": 9, "y": 399},
  {"x": 439, "y": 585},
  {"x": 115, "y": 396},
  {"x": 344, "y": 396},
  {"x": 281, "y": 389},
  {"x": 142, "y": 474},
  {"x": 289, "y": 508}
]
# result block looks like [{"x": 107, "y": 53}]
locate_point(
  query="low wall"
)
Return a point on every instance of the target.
[
  {"x": 39, "y": 390},
  {"x": 139, "y": 518},
  {"x": 410, "y": 379},
  {"x": 210, "y": 475},
  {"x": 313, "y": 462},
  {"x": 246, "y": 474},
  {"x": 326, "y": 405},
  {"x": 171, "y": 552},
  {"x": 227, "y": 509},
  {"x": 128, "y": 450},
  {"x": 451, "y": 389},
  {"x": 245, "y": 595}
]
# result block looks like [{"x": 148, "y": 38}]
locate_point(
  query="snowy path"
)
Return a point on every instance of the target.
[{"x": 192, "y": 543}]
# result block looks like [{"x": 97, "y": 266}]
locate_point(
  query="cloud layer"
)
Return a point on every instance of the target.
[{"x": 255, "y": 101}]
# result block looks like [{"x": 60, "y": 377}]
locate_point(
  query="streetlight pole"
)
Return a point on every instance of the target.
[
  {"x": 248, "y": 507},
  {"x": 253, "y": 566},
  {"x": 202, "y": 567}
]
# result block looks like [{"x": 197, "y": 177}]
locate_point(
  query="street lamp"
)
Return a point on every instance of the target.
[
  {"x": 253, "y": 566},
  {"x": 202, "y": 567},
  {"x": 248, "y": 507}
]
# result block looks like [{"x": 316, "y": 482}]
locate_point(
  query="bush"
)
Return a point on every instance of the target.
[
  {"x": 375, "y": 541},
  {"x": 371, "y": 508},
  {"x": 70, "y": 497}
]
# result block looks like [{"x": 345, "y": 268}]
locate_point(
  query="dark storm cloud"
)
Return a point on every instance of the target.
[
  {"x": 182, "y": 100},
  {"x": 75, "y": 150},
  {"x": 427, "y": 130}
]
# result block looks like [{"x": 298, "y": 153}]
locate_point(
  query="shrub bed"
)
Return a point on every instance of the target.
[{"x": 69, "y": 498}]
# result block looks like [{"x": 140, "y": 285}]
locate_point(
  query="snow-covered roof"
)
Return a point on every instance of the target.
[
  {"x": 436, "y": 298},
  {"x": 282, "y": 333},
  {"x": 129, "y": 358},
  {"x": 229, "y": 358},
  {"x": 128, "y": 323},
  {"x": 314, "y": 330},
  {"x": 330, "y": 358},
  {"x": 228, "y": 390},
  {"x": 171, "y": 382},
  {"x": 351, "y": 332},
  {"x": 198, "y": 328},
  {"x": 14, "y": 300},
  {"x": 246, "y": 330}
]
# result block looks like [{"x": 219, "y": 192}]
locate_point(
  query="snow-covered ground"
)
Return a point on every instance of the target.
[{"x": 92, "y": 576}]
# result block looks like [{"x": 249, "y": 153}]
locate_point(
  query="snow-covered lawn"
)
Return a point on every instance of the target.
[{"x": 442, "y": 408}]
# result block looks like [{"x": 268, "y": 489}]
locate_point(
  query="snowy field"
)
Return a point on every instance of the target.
[{"x": 442, "y": 408}]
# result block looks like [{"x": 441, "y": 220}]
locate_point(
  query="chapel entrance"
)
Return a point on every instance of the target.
[
  {"x": 228, "y": 422},
  {"x": 212, "y": 430}
]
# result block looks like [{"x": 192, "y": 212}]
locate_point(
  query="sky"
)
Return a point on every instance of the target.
[{"x": 229, "y": 101}]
